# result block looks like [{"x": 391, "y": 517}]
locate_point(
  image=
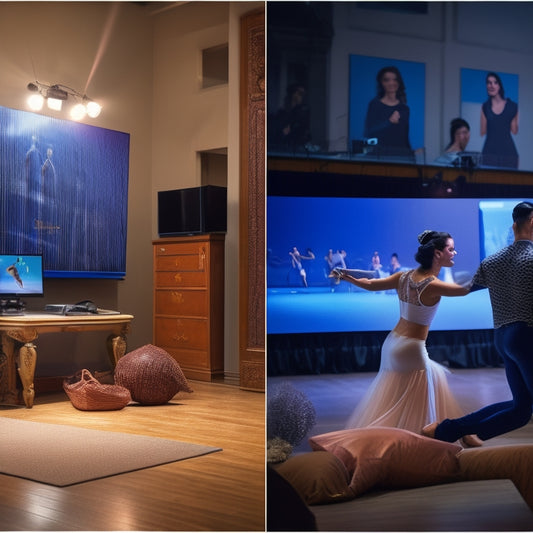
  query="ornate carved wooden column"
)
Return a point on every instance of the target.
[{"x": 252, "y": 204}]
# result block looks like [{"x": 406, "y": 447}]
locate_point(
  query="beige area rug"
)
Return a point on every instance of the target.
[{"x": 64, "y": 455}]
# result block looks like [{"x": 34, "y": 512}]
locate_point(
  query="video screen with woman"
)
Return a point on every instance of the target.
[
  {"x": 386, "y": 107},
  {"x": 490, "y": 104}
]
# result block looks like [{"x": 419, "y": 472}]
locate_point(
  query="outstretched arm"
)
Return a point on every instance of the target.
[
  {"x": 439, "y": 288},
  {"x": 369, "y": 284}
]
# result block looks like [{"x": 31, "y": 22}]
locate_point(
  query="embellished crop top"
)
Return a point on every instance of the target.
[{"x": 411, "y": 308}]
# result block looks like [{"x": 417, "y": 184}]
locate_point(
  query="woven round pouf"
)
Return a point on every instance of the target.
[{"x": 152, "y": 376}]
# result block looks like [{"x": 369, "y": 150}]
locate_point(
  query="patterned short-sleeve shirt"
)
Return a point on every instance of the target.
[{"x": 508, "y": 274}]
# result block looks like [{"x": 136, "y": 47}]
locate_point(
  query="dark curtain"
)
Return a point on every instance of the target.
[{"x": 332, "y": 353}]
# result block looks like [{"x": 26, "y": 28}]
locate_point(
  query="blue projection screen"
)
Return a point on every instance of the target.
[
  {"x": 64, "y": 194},
  {"x": 359, "y": 227}
]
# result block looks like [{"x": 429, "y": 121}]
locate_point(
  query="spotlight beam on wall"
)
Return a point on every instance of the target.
[{"x": 55, "y": 95}]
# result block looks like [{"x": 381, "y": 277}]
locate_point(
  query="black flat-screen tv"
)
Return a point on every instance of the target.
[
  {"x": 21, "y": 275},
  {"x": 192, "y": 211}
]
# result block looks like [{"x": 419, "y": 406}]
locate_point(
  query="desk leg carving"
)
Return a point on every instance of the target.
[
  {"x": 116, "y": 348},
  {"x": 10, "y": 375},
  {"x": 27, "y": 360}
]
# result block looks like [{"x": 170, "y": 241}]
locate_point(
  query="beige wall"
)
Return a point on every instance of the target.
[
  {"x": 188, "y": 119},
  {"x": 143, "y": 65}
]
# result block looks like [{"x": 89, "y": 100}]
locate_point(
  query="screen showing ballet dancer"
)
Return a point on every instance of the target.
[
  {"x": 21, "y": 275},
  {"x": 307, "y": 237},
  {"x": 64, "y": 194}
]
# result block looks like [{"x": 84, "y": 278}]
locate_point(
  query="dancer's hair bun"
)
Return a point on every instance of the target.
[{"x": 426, "y": 236}]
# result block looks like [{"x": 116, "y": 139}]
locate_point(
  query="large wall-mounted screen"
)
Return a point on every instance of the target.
[
  {"x": 64, "y": 194},
  {"x": 358, "y": 230}
]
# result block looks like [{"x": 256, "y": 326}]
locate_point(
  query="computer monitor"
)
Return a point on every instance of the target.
[{"x": 21, "y": 275}]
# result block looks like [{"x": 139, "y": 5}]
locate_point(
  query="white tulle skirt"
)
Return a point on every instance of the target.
[{"x": 409, "y": 391}]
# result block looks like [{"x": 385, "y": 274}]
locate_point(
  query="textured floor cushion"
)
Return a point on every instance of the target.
[
  {"x": 151, "y": 374},
  {"x": 318, "y": 477},
  {"x": 390, "y": 458},
  {"x": 501, "y": 462}
]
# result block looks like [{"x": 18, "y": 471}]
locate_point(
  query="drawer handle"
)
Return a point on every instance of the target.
[
  {"x": 180, "y": 337},
  {"x": 162, "y": 249},
  {"x": 177, "y": 297},
  {"x": 177, "y": 277},
  {"x": 201, "y": 259}
]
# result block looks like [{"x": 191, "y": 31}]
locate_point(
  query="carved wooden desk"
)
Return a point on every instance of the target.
[{"x": 18, "y": 351}]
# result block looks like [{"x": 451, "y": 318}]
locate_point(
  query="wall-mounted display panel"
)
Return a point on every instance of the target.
[{"x": 64, "y": 194}]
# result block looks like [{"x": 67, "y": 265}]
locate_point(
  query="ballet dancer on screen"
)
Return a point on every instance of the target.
[
  {"x": 410, "y": 388},
  {"x": 296, "y": 261},
  {"x": 335, "y": 260}
]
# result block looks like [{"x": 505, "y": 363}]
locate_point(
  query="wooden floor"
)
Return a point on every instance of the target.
[
  {"x": 217, "y": 492},
  {"x": 223, "y": 491},
  {"x": 334, "y": 397}
]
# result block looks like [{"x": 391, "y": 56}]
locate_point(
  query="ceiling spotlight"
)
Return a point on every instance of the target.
[
  {"x": 93, "y": 109},
  {"x": 36, "y": 101},
  {"x": 78, "y": 111},
  {"x": 56, "y": 94},
  {"x": 54, "y": 103}
]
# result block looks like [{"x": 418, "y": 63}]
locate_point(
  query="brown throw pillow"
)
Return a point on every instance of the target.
[
  {"x": 390, "y": 458},
  {"x": 318, "y": 477}
]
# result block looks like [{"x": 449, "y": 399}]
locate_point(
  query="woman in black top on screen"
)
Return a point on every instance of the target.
[
  {"x": 499, "y": 118},
  {"x": 387, "y": 117}
]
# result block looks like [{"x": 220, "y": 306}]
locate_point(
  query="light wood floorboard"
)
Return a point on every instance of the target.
[{"x": 224, "y": 491}]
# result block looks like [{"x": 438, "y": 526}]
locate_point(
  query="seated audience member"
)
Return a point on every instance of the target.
[{"x": 459, "y": 137}]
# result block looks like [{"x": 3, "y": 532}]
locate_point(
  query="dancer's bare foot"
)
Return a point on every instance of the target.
[
  {"x": 471, "y": 441},
  {"x": 429, "y": 430}
]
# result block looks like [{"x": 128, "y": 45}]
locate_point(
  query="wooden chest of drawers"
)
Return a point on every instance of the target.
[{"x": 189, "y": 302}]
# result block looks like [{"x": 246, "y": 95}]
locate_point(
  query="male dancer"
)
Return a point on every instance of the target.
[{"x": 508, "y": 274}]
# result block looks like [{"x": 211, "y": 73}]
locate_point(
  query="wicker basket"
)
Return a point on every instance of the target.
[
  {"x": 151, "y": 374},
  {"x": 87, "y": 394}
]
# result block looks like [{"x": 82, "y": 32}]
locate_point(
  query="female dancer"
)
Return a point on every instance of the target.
[
  {"x": 499, "y": 118},
  {"x": 387, "y": 117},
  {"x": 296, "y": 262},
  {"x": 410, "y": 388}
]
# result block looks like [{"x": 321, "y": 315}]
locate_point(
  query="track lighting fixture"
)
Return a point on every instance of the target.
[{"x": 56, "y": 94}]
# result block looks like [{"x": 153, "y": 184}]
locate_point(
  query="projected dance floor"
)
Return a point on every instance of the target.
[{"x": 312, "y": 310}]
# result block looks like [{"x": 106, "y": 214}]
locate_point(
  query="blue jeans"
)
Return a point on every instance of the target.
[{"x": 514, "y": 343}]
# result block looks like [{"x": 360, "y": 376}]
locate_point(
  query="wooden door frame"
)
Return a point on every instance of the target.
[{"x": 252, "y": 203}]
